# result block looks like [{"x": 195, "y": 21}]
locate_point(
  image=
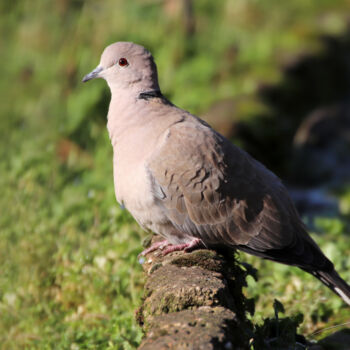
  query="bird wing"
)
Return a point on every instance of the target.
[{"x": 216, "y": 192}]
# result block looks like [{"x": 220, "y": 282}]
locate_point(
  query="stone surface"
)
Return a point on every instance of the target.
[
  {"x": 203, "y": 328},
  {"x": 188, "y": 287},
  {"x": 194, "y": 301}
]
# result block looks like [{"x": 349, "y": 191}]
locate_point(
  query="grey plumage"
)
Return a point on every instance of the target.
[{"x": 181, "y": 179}]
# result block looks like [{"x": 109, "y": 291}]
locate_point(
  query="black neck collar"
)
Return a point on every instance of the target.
[{"x": 150, "y": 94}]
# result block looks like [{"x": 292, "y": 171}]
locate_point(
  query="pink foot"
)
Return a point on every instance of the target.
[
  {"x": 187, "y": 247},
  {"x": 155, "y": 246}
]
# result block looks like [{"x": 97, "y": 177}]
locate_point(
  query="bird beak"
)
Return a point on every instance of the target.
[{"x": 93, "y": 74}]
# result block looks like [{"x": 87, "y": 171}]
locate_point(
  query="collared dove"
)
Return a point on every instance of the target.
[{"x": 184, "y": 181}]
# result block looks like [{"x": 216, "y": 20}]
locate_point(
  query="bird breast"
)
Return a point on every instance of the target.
[{"x": 131, "y": 179}]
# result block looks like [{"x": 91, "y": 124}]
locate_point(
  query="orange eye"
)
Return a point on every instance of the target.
[{"x": 123, "y": 62}]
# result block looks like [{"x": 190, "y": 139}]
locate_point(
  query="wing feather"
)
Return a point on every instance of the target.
[{"x": 214, "y": 191}]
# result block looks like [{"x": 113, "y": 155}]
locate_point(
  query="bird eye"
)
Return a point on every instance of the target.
[{"x": 123, "y": 62}]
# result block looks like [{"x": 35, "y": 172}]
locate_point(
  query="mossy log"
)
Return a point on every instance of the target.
[{"x": 194, "y": 301}]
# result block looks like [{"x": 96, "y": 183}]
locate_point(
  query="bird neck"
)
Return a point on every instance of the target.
[
  {"x": 124, "y": 111},
  {"x": 147, "y": 95},
  {"x": 133, "y": 88}
]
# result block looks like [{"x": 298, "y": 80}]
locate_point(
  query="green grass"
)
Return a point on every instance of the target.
[
  {"x": 68, "y": 254},
  {"x": 299, "y": 291}
]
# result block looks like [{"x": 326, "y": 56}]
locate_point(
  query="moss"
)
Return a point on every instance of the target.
[
  {"x": 203, "y": 284},
  {"x": 206, "y": 327},
  {"x": 175, "y": 288},
  {"x": 154, "y": 268},
  {"x": 147, "y": 241},
  {"x": 139, "y": 316},
  {"x": 207, "y": 259}
]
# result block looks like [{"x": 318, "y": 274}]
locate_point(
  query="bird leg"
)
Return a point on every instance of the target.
[
  {"x": 155, "y": 246},
  {"x": 187, "y": 247}
]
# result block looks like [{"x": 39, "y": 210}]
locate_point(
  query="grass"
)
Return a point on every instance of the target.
[
  {"x": 68, "y": 254},
  {"x": 302, "y": 293}
]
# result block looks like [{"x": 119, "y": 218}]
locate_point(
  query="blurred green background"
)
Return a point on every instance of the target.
[{"x": 272, "y": 75}]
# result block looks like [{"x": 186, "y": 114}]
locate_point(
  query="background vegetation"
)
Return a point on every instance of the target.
[{"x": 69, "y": 274}]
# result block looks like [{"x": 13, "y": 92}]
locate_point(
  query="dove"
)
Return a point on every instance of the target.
[{"x": 182, "y": 180}]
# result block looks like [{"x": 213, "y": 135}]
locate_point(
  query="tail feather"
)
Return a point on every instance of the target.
[{"x": 334, "y": 282}]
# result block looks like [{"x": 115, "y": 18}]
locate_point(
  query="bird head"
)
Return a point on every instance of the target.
[{"x": 126, "y": 65}]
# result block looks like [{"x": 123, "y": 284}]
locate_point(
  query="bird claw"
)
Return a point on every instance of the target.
[
  {"x": 157, "y": 245},
  {"x": 186, "y": 247}
]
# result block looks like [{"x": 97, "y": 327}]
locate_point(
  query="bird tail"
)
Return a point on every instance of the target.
[{"x": 334, "y": 282}]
